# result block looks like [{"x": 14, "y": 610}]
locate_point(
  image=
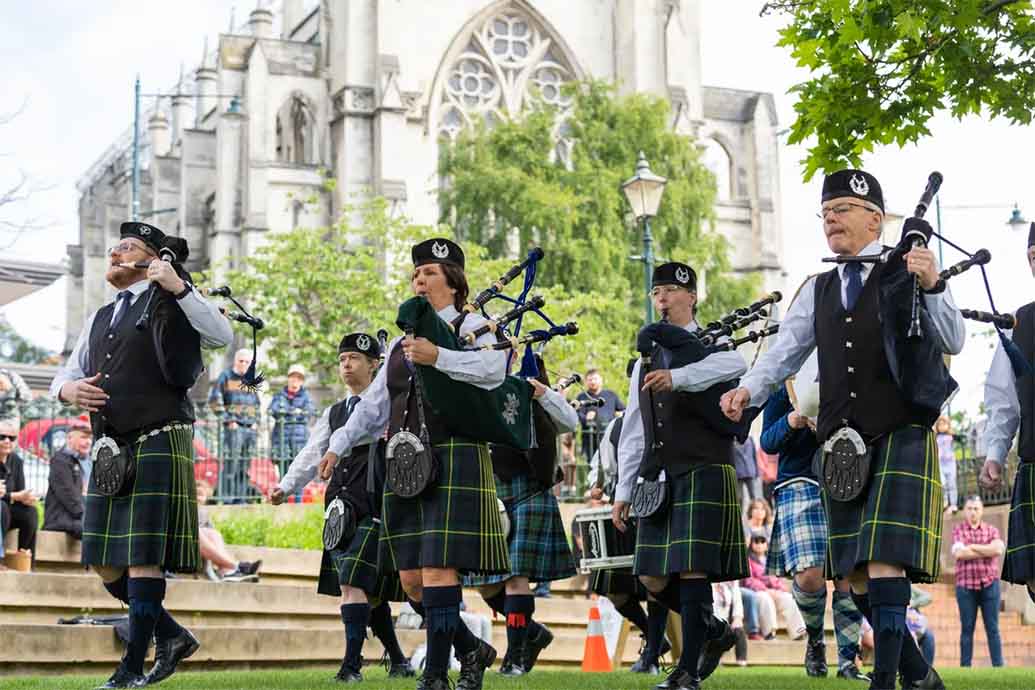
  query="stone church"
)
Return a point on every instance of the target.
[{"x": 367, "y": 91}]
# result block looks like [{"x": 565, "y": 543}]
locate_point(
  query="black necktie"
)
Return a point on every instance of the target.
[
  {"x": 854, "y": 286},
  {"x": 121, "y": 307},
  {"x": 350, "y": 405}
]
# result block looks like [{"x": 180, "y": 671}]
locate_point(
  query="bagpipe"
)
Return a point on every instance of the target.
[
  {"x": 252, "y": 379},
  {"x": 684, "y": 347}
]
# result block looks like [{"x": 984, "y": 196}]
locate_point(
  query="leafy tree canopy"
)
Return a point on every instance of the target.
[{"x": 880, "y": 69}]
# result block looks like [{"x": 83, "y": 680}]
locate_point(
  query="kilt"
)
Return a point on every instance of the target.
[
  {"x": 155, "y": 521},
  {"x": 898, "y": 516},
  {"x": 454, "y": 523},
  {"x": 799, "y": 538},
  {"x": 356, "y": 566},
  {"x": 700, "y": 531},
  {"x": 538, "y": 546},
  {"x": 1019, "y": 564}
]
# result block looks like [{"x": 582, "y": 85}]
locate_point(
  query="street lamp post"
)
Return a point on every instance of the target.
[{"x": 644, "y": 190}]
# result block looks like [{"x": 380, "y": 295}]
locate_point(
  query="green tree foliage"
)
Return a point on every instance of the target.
[
  {"x": 15, "y": 348},
  {"x": 508, "y": 180},
  {"x": 881, "y": 68}
]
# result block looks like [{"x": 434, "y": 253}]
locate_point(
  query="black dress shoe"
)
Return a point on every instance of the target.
[
  {"x": 169, "y": 653},
  {"x": 473, "y": 665},
  {"x": 713, "y": 650},
  {"x": 850, "y": 671},
  {"x": 816, "y": 658},
  {"x": 932, "y": 681},
  {"x": 679, "y": 680},
  {"x": 401, "y": 670},
  {"x": 534, "y": 647},
  {"x": 426, "y": 682},
  {"x": 124, "y": 678},
  {"x": 645, "y": 666},
  {"x": 510, "y": 668}
]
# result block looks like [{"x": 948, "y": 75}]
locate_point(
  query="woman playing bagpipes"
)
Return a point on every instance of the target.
[{"x": 439, "y": 513}]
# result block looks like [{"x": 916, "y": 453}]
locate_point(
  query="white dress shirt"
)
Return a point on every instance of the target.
[
  {"x": 797, "y": 337},
  {"x": 692, "y": 378},
  {"x": 483, "y": 368},
  {"x": 203, "y": 315},
  {"x": 1002, "y": 406},
  {"x": 560, "y": 411}
]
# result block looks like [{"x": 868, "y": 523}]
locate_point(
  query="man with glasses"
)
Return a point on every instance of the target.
[
  {"x": 134, "y": 383},
  {"x": 886, "y": 530}
]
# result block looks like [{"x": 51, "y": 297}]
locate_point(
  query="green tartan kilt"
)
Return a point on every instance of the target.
[
  {"x": 897, "y": 518},
  {"x": 538, "y": 545},
  {"x": 155, "y": 521},
  {"x": 699, "y": 531},
  {"x": 454, "y": 523},
  {"x": 356, "y": 566},
  {"x": 1019, "y": 564}
]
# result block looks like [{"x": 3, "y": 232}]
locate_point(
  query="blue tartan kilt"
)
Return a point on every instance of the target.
[
  {"x": 897, "y": 518},
  {"x": 154, "y": 521},
  {"x": 799, "y": 539},
  {"x": 454, "y": 523},
  {"x": 698, "y": 531},
  {"x": 1019, "y": 563},
  {"x": 538, "y": 546},
  {"x": 356, "y": 566}
]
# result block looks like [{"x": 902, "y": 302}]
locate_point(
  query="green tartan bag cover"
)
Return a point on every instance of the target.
[{"x": 501, "y": 415}]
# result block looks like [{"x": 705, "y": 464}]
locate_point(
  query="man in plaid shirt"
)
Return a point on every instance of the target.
[{"x": 977, "y": 547}]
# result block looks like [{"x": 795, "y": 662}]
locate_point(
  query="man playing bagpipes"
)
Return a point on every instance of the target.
[
  {"x": 353, "y": 528},
  {"x": 1010, "y": 404},
  {"x": 676, "y": 470},
  {"x": 538, "y": 546},
  {"x": 881, "y": 330},
  {"x": 131, "y": 368},
  {"x": 442, "y": 405}
]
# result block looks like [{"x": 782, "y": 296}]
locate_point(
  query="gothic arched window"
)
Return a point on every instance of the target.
[
  {"x": 717, "y": 159},
  {"x": 295, "y": 130}
]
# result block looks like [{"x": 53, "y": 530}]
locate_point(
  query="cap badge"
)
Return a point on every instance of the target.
[
  {"x": 682, "y": 275},
  {"x": 440, "y": 251},
  {"x": 859, "y": 184},
  {"x": 145, "y": 231},
  {"x": 363, "y": 343}
]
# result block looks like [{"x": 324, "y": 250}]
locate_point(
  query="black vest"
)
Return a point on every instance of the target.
[
  {"x": 140, "y": 397},
  {"x": 350, "y": 474},
  {"x": 1024, "y": 338},
  {"x": 540, "y": 462},
  {"x": 675, "y": 435},
  {"x": 856, "y": 387},
  {"x": 398, "y": 381}
]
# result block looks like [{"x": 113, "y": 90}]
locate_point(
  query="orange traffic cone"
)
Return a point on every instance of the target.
[{"x": 594, "y": 657}]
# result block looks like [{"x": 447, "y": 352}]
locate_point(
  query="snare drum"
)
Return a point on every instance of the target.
[{"x": 603, "y": 546}]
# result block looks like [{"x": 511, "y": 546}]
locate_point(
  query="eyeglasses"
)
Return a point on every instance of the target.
[
  {"x": 127, "y": 247},
  {"x": 841, "y": 209},
  {"x": 665, "y": 289},
  {"x": 8, "y": 437}
]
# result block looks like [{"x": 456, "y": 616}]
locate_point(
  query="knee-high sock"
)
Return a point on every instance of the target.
[
  {"x": 355, "y": 618},
  {"x": 166, "y": 626},
  {"x": 657, "y": 617},
  {"x": 519, "y": 609},
  {"x": 911, "y": 660},
  {"x": 847, "y": 626},
  {"x": 381, "y": 624},
  {"x": 442, "y": 608},
  {"x": 145, "y": 606},
  {"x": 498, "y": 601},
  {"x": 670, "y": 596},
  {"x": 812, "y": 606},
  {"x": 696, "y": 598},
  {"x": 889, "y": 597},
  {"x": 632, "y": 610}
]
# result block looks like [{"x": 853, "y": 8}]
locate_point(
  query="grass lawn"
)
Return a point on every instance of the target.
[{"x": 758, "y": 678}]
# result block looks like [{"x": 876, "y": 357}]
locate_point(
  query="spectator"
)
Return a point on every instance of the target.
[
  {"x": 18, "y": 505},
  {"x": 14, "y": 393},
  {"x": 752, "y": 623},
  {"x": 224, "y": 567},
  {"x": 746, "y": 464},
  {"x": 569, "y": 464},
  {"x": 917, "y": 623},
  {"x": 595, "y": 419},
  {"x": 729, "y": 607},
  {"x": 947, "y": 462},
  {"x": 781, "y": 598},
  {"x": 63, "y": 508},
  {"x": 292, "y": 410},
  {"x": 758, "y": 517},
  {"x": 238, "y": 408},
  {"x": 977, "y": 547}
]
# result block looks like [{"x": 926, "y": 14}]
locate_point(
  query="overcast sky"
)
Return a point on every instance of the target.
[{"x": 73, "y": 64}]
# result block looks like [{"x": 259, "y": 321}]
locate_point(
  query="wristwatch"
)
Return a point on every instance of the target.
[{"x": 187, "y": 289}]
